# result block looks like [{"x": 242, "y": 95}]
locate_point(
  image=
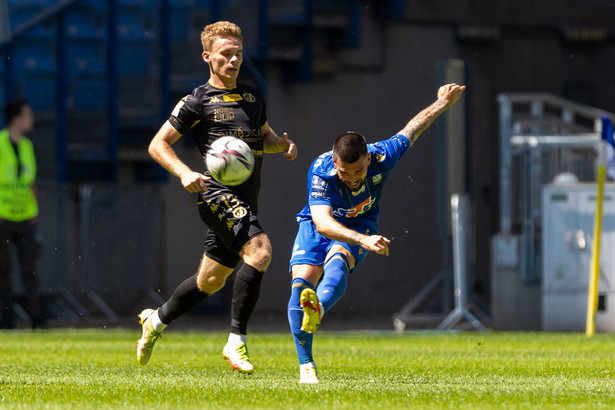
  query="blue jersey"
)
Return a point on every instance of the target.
[{"x": 325, "y": 188}]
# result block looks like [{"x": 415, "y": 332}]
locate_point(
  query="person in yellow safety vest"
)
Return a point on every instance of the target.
[{"x": 18, "y": 214}]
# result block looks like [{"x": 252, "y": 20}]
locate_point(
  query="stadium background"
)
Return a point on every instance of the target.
[{"x": 103, "y": 76}]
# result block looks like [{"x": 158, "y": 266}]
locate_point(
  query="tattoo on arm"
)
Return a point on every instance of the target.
[
  {"x": 422, "y": 120},
  {"x": 354, "y": 237}
]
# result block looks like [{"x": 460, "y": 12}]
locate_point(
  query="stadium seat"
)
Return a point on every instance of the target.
[
  {"x": 96, "y": 7},
  {"x": 79, "y": 24},
  {"x": 180, "y": 16},
  {"x": 40, "y": 91},
  {"x": 85, "y": 66},
  {"x": 134, "y": 50},
  {"x": 89, "y": 92},
  {"x": 20, "y": 16},
  {"x": 34, "y": 56},
  {"x": 134, "y": 3},
  {"x": 85, "y": 46},
  {"x": 13, "y": 4}
]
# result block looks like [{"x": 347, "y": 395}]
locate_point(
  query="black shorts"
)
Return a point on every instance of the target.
[{"x": 231, "y": 224}]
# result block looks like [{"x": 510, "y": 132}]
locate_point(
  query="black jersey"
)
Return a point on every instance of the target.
[{"x": 210, "y": 113}]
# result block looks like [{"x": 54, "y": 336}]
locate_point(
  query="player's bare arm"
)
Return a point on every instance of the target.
[
  {"x": 326, "y": 225},
  {"x": 448, "y": 94},
  {"x": 161, "y": 150},
  {"x": 274, "y": 144}
]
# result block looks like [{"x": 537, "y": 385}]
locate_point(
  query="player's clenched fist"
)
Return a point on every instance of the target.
[
  {"x": 450, "y": 93},
  {"x": 194, "y": 181}
]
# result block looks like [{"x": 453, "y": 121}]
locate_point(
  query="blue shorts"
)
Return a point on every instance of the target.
[{"x": 311, "y": 248}]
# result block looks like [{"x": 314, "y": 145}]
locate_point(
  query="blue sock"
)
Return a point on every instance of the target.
[
  {"x": 303, "y": 340},
  {"x": 334, "y": 280}
]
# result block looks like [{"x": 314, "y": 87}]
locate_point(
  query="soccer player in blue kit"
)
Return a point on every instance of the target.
[{"x": 340, "y": 222}]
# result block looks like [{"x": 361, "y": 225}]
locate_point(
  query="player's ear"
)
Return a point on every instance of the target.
[
  {"x": 369, "y": 158},
  {"x": 336, "y": 162},
  {"x": 205, "y": 56}
]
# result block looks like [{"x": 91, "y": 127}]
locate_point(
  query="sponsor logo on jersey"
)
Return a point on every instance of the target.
[
  {"x": 178, "y": 107},
  {"x": 318, "y": 187},
  {"x": 243, "y": 134},
  {"x": 213, "y": 207},
  {"x": 249, "y": 97},
  {"x": 214, "y": 100},
  {"x": 239, "y": 212},
  {"x": 357, "y": 210},
  {"x": 301, "y": 252},
  {"x": 376, "y": 179},
  {"x": 359, "y": 191},
  {"x": 232, "y": 97},
  {"x": 380, "y": 157},
  {"x": 318, "y": 182},
  {"x": 224, "y": 114}
]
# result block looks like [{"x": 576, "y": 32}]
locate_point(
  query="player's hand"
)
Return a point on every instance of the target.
[
  {"x": 288, "y": 146},
  {"x": 450, "y": 93},
  {"x": 376, "y": 243},
  {"x": 194, "y": 181}
]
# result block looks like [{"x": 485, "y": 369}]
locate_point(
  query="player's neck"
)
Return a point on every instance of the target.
[
  {"x": 218, "y": 83},
  {"x": 15, "y": 133}
]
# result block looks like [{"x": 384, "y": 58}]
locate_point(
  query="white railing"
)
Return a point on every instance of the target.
[{"x": 541, "y": 135}]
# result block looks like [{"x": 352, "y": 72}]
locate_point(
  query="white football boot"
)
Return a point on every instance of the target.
[
  {"x": 308, "y": 373},
  {"x": 237, "y": 355}
]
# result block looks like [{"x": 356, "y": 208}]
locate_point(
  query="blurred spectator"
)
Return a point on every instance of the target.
[{"x": 18, "y": 213}]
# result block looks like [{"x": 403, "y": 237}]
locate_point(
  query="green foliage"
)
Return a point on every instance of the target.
[{"x": 98, "y": 369}]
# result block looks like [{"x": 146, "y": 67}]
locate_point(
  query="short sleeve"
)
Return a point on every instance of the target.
[
  {"x": 319, "y": 191},
  {"x": 389, "y": 151},
  {"x": 186, "y": 114},
  {"x": 263, "y": 118}
]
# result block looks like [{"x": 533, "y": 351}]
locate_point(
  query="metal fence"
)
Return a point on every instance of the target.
[
  {"x": 101, "y": 246},
  {"x": 541, "y": 136}
]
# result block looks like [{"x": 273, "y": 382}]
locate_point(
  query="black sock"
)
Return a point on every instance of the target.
[
  {"x": 185, "y": 297},
  {"x": 246, "y": 288}
]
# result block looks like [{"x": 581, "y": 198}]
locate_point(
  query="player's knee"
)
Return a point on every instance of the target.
[
  {"x": 210, "y": 283},
  {"x": 258, "y": 252}
]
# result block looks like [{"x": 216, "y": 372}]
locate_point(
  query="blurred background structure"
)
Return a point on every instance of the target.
[{"x": 102, "y": 76}]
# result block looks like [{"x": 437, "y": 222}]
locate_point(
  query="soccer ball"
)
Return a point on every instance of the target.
[{"x": 229, "y": 161}]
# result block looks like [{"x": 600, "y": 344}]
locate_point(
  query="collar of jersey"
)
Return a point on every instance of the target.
[{"x": 221, "y": 88}]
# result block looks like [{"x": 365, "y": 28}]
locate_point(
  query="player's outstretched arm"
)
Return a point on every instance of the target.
[
  {"x": 326, "y": 225},
  {"x": 448, "y": 95},
  {"x": 274, "y": 144},
  {"x": 161, "y": 151}
]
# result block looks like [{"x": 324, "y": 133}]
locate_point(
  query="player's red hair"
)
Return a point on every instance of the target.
[{"x": 219, "y": 29}]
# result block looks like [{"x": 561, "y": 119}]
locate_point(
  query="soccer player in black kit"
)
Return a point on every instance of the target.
[{"x": 222, "y": 107}]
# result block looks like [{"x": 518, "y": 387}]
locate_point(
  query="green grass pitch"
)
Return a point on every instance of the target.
[{"x": 97, "y": 369}]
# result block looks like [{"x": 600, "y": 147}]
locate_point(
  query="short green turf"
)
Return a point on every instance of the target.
[{"x": 98, "y": 369}]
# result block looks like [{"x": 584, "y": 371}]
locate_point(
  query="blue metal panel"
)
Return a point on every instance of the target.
[
  {"x": 165, "y": 63},
  {"x": 112, "y": 78},
  {"x": 61, "y": 113}
]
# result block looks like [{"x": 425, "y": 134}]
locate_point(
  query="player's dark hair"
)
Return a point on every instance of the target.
[
  {"x": 349, "y": 147},
  {"x": 13, "y": 108}
]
